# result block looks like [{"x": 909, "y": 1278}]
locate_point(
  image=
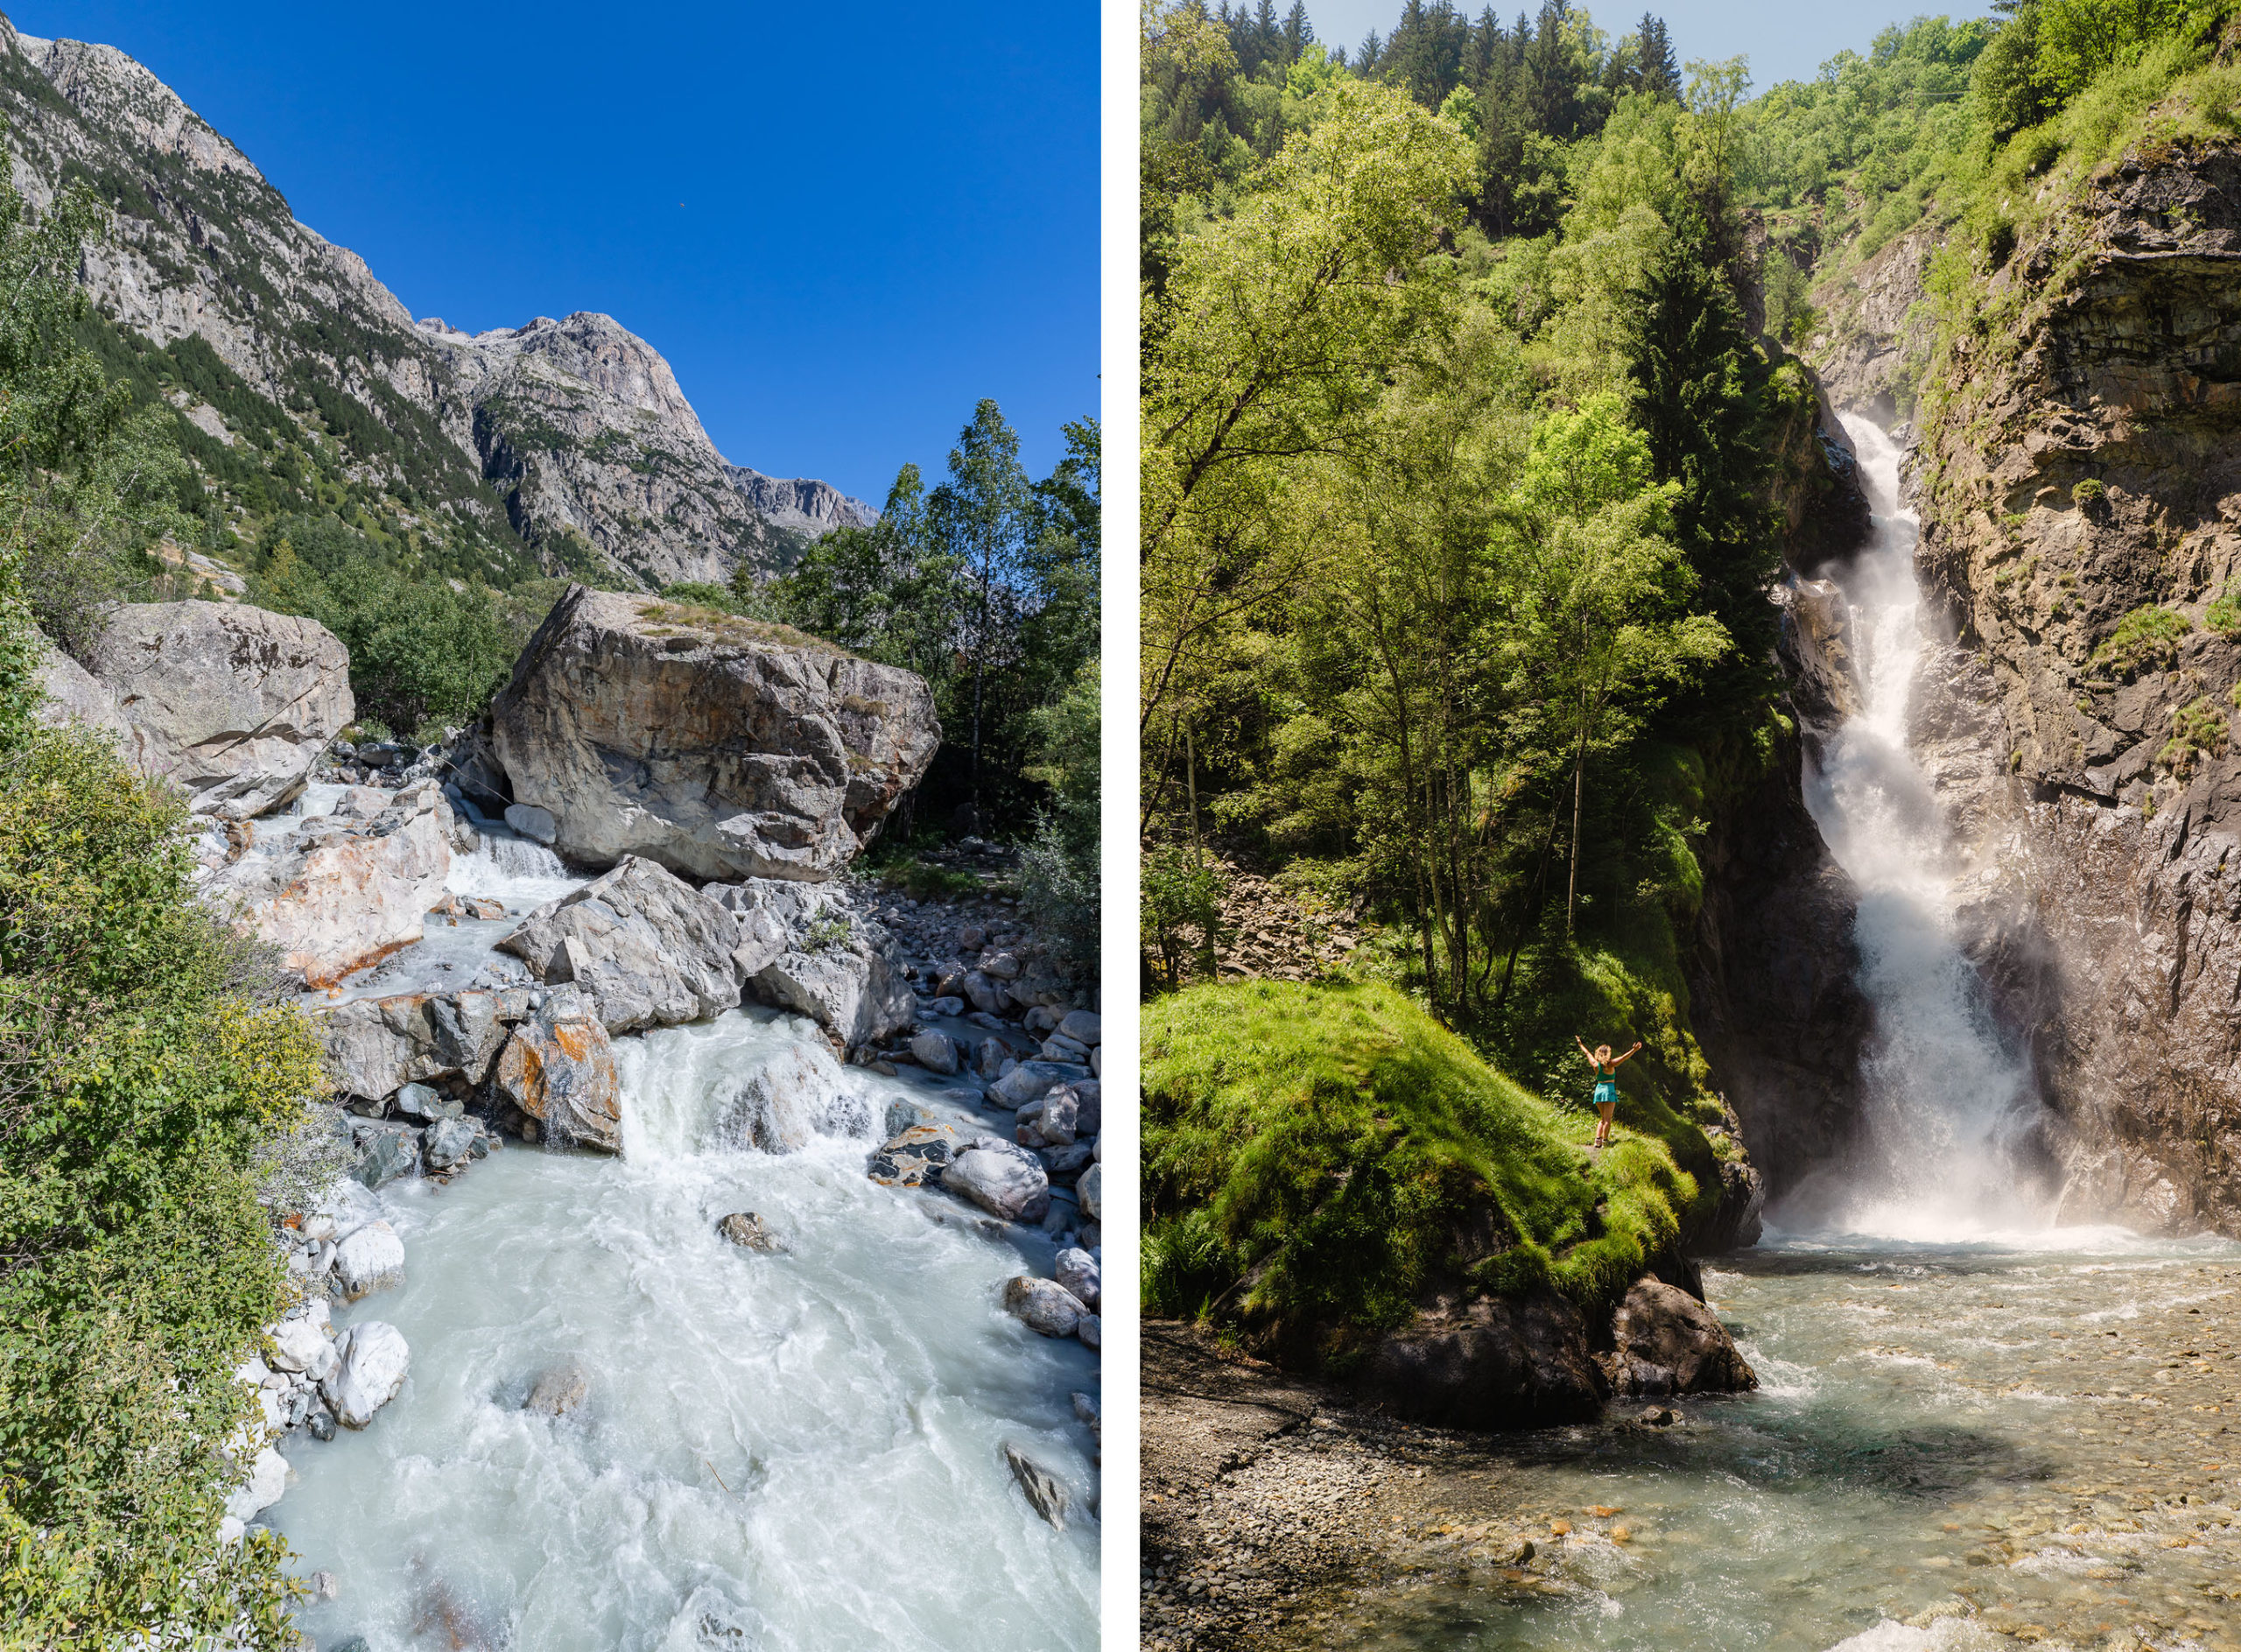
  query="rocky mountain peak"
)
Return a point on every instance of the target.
[{"x": 567, "y": 445}]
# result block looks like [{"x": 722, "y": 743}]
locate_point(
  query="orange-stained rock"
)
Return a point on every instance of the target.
[{"x": 558, "y": 1067}]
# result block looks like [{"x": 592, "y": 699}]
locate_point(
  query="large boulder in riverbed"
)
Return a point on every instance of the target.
[
  {"x": 1667, "y": 1342},
  {"x": 376, "y": 1046},
  {"x": 370, "y": 1370},
  {"x": 1001, "y": 1178},
  {"x": 558, "y": 1068},
  {"x": 1496, "y": 1362},
  {"x": 75, "y": 695},
  {"x": 231, "y": 703},
  {"x": 798, "y": 1092},
  {"x": 649, "y": 947},
  {"x": 722, "y": 748},
  {"x": 818, "y": 954},
  {"x": 343, "y": 891}
]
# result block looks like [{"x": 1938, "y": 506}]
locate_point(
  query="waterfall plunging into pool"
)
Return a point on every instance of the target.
[{"x": 1950, "y": 1100}]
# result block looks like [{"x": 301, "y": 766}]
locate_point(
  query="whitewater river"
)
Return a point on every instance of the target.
[
  {"x": 1974, "y": 1429},
  {"x": 799, "y": 1450}
]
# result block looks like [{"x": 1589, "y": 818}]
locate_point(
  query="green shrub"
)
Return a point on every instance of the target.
[
  {"x": 2223, "y": 615},
  {"x": 148, "y": 1064},
  {"x": 1314, "y": 1155},
  {"x": 1181, "y": 902},
  {"x": 2088, "y": 494},
  {"x": 1058, "y": 870},
  {"x": 2146, "y": 639},
  {"x": 700, "y": 594}
]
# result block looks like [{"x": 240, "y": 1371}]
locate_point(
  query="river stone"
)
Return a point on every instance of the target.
[
  {"x": 429, "y": 1107},
  {"x": 558, "y": 1390},
  {"x": 1032, "y": 1081},
  {"x": 1052, "y": 1122},
  {"x": 301, "y": 1345},
  {"x": 1090, "y": 1192},
  {"x": 1669, "y": 1343},
  {"x": 371, "y": 1259},
  {"x": 722, "y": 748},
  {"x": 1058, "y": 1047},
  {"x": 384, "y": 1155},
  {"x": 1044, "y": 1305},
  {"x": 985, "y": 995},
  {"x": 372, "y": 1367},
  {"x": 650, "y": 949},
  {"x": 268, "y": 1480},
  {"x": 749, "y": 1232},
  {"x": 1065, "y": 1164},
  {"x": 936, "y": 1052},
  {"x": 1091, "y": 1330},
  {"x": 1078, "y": 1271},
  {"x": 1044, "y": 1492},
  {"x": 1001, "y": 1178},
  {"x": 558, "y": 1067},
  {"x": 797, "y": 1093},
  {"x": 374, "y": 1046},
  {"x": 1085, "y": 1027},
  {"x": 833, "y": 962},
  {"x": 336, "y": 895},
  {"x": 1496, "y": 1362},
  {"x": 230, "y": 703},
  {"x": 452, "y": 1142},
  {"x": 989, "y": 1056},
  {"x": 915, "y": 1156}
]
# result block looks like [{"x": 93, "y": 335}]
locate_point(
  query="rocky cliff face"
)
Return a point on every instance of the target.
[
  {"x": 2081, "y": 465},
  {"x": 565, "y": 442}
]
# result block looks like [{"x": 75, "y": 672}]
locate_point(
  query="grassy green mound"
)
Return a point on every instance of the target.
[{"x": 1314, "y": 1156}]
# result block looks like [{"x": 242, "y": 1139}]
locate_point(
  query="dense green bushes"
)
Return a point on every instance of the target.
[{"x": 1314, "y": 1156}]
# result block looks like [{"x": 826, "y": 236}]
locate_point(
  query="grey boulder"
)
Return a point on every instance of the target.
[
  {"x": 936, "y": 1052},
  {"x": 370, "y": 1369},
  {"x": 232, "y": 704},
  {"x": 650, "y": 949},
  {"x": 1044, "y": 1305},
  {"x": 1000, "y": 1178},
  {"x": 558, "y": 1068},
  {"x": 826, "y": 958},
  {"x": 1078, "y": 1271},
  {"x": 720, "y": 748},
  {"x": 1666, "y": 1342}
]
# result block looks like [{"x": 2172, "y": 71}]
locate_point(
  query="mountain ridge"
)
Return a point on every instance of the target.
[{"x": 302, "y": 383}]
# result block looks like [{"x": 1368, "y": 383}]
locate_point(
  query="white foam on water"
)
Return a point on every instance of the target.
[
  {"x": 807, "y": 1448},
  {"x": 1948, "y": 1099},
  {"x": 504, "y": 866}
]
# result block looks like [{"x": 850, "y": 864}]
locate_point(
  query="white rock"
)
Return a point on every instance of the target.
[
  {"x": 1084, "y": 1027},
  {"x": 798, "y": 1092},
  {"x": 936, "y": 1052},
  {"x": 268, "y": 1479},
  {"x": 1000, "y": 1178},
  {"x": 1032, "y": 1081},
  {"x": 371, "y": 1371},
  {"x": 1043, "y": 1305},
  {"x": 298, "y": 1344},
  {"x": 1078, "y": 1271},
  {"x": 370, "y": 1259}
]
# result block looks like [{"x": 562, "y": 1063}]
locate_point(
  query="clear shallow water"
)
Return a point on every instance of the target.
[
  {"x": 792, "y": 1451},
  {"x": 1934, "y": 1422}
]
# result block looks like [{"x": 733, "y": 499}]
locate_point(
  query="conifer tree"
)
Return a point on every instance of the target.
[{"x": 1659, "y": 76}]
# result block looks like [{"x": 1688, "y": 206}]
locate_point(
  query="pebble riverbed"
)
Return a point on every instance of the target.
[{"x": 1953, "y": 1446}]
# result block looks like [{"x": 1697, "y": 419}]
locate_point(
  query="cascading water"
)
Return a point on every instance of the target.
[
  {"x": 1948, "y": 1097},
  {"x": 791, "y": 1450}
]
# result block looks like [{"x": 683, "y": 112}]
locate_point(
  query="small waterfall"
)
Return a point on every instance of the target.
[
  {"x": 1948, "y": 1097},
  {"x": 508, "y": 867}
]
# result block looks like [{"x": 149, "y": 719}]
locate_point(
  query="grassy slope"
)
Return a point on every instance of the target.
[{"x": 1314, "y": 1156}]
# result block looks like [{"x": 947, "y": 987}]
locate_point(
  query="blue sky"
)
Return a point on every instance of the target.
[
  {"x": 842, "y": 225},
  {"x": 1784, "y": 40}
]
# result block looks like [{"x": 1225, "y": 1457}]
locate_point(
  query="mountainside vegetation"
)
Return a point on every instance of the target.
[
  {"x": 153, "y": 1074},
  {"x": 1472, "y": 433}
]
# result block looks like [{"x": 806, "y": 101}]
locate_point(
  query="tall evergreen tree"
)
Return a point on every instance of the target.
[
  {"x": 1700, "y": 395},
  {"x": 1299, "y": 33},
  {"x": 1659, "y": 75}
]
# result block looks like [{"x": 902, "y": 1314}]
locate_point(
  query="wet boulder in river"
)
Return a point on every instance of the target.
[
  {"x": 376, "y": 1046},
  {"x": 369, "y": 1260},
  {"x": 1495, "y": 1363},
  {"x": 650, "y": 949},
  {"x": 558, "y": 1068},
  {"x": 1044, "y": 1492},
  {"x": 1667, "y": 1342},
  {"x": 828, "y": 958},
  {"x": 915, "y": 1155},
  {"x": 338, "y": 894},
  {"x": 797, "y": 1093},
  {"x": 230, "y": 703},
  {"x": 369, "y": 1373},
  {"x": 1044, "y": 1305},
  {"x": 1079, "y": 1272},
  {"x": 749, "y": 1232},
  {"x": 1001, "y": 1178},
  {"x": 722, "y": 747}
]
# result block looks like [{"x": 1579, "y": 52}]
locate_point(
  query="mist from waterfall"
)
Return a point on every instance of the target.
[{"x": 1949, "y": 1102}]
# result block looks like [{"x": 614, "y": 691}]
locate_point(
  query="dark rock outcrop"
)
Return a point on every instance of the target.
[
  {"x": 720, "y": 748},
  {"x": 1668, "y": 1341},
  {"x": 1494, "y": 1362}
]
